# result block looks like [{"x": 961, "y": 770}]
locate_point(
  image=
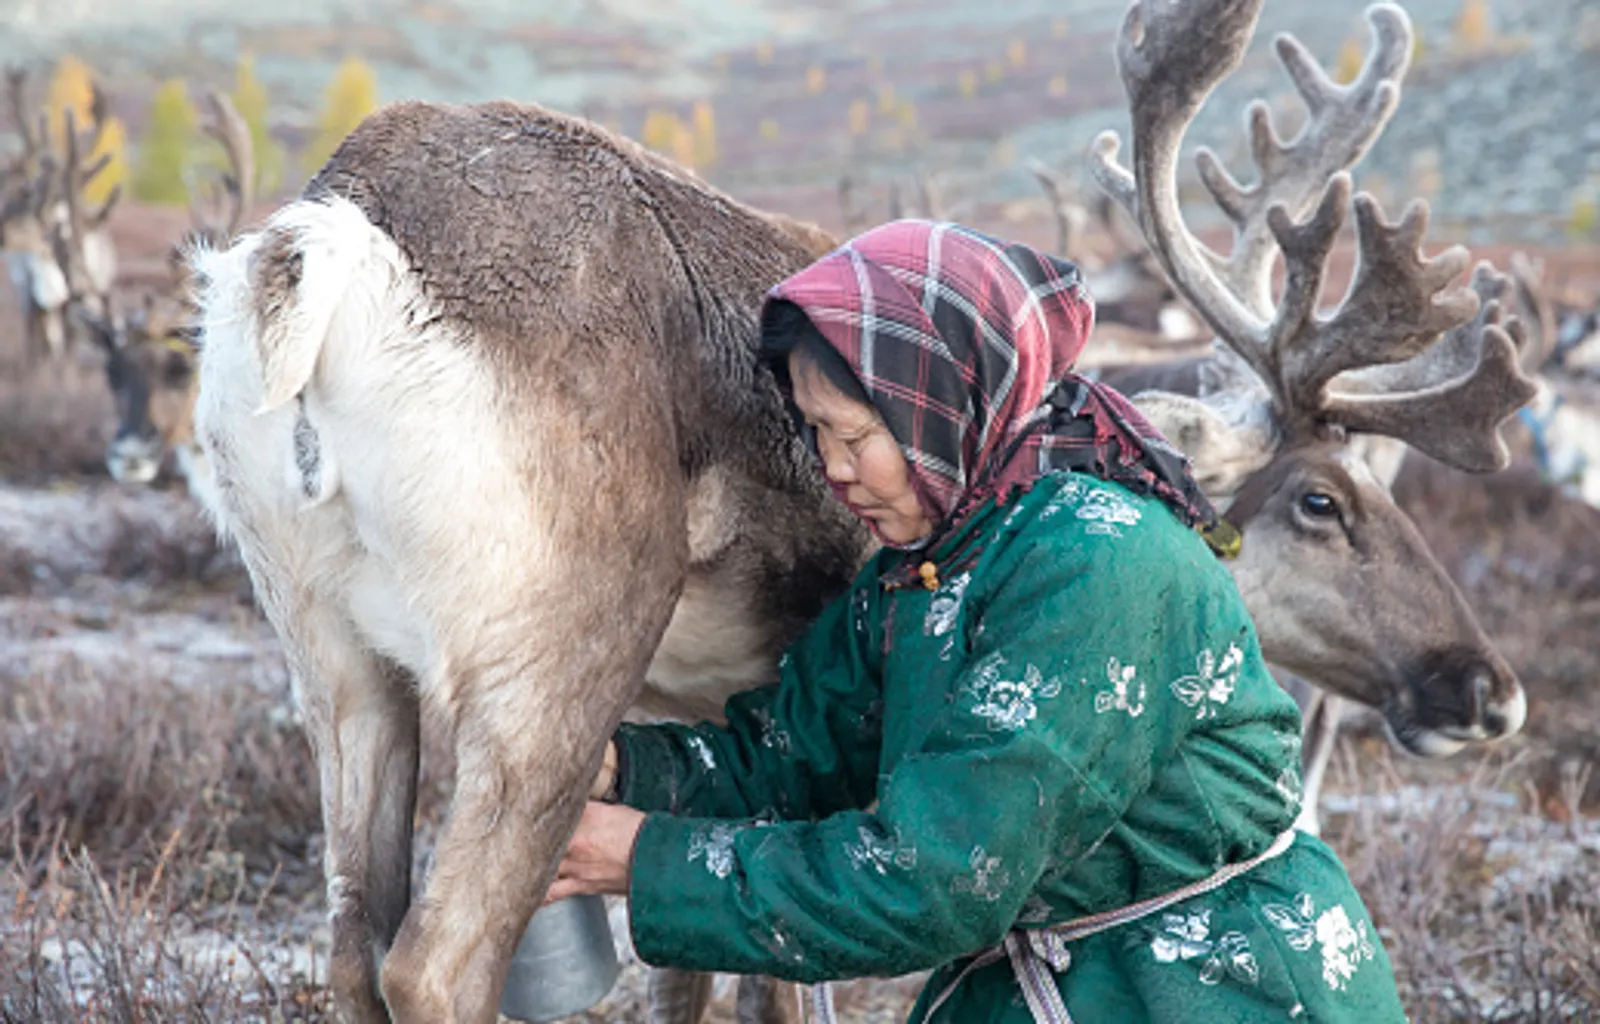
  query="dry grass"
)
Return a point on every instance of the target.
[
  {"x": 1489, "y": 909},
  {"x": 139, "y": 819},
  {"x": 116, "y": 767},
  {"x": 103, "y": 531},
  {"x": 145, "y": 946},
  {"x": 55, "y": 420},
  {"x": 1527, "y": 559}
]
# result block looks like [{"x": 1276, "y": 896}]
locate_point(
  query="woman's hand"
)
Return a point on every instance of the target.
[{"x": 599, "y": 859}]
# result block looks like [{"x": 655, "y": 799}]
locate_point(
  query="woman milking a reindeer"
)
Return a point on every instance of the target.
[{"x": 1034, "y": 748}]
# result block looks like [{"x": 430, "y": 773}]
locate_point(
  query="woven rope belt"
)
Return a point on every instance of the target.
[{"x": 1038, "y": 955}]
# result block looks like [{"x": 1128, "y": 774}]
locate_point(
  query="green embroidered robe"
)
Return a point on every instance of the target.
[{"x": 1077, "y": 718}]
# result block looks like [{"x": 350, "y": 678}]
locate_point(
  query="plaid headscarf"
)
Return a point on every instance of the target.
[{"x": 965, "y": 344}]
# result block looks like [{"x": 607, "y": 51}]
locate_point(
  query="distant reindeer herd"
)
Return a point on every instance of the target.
[{"x": 362, "y": 328}]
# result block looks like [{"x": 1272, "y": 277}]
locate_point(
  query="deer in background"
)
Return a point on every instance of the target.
[
  {"x": 1138, "y": 315},
  {"x": 1281, "y": 420},
  {"x": 488, "y": 427},
  {"x": 149, "y": 355},
  {"x": 1563, "y": 420},
  {"x": 60, "y": 252},
  {"x": 922, "y": 197}
]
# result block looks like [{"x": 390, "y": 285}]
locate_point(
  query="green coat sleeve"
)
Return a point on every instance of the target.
[
  {"x": 1017, "y": 773},
  {"x": 803, "y": 747}
]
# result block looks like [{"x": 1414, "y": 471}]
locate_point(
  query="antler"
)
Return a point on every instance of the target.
[
  {"x": 1071, "y": 218},
  {"x": 76, "y": 174},
  {"x": 1450, "y": 400},
  {"x": 26, "y": 187},
  {"x": 235, "y": 193},
  {"x": 928, "y": 202},
  {"x": 1528, "y": 275},
  {"x": 88, "y": 282},
  {"x": 854, "y": 218},
  {"x": 17, "y": 100},
  {"x": 930, "y": 196},
  {"x": 1171, "y": 57}
]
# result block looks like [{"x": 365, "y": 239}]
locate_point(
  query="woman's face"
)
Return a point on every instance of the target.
[{"x": 860, "y": 456}]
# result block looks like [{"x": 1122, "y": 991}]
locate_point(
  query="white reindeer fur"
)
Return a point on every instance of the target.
[
  {"x": 430, "y": 475},
  {"x": 409, "y": 487}
]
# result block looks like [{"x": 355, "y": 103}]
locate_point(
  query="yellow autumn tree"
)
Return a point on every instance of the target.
[
  {"x": 705, "y": 133},
  {"x": 1472, "y": 25},
  {"x": 167, "y": 146},
  {"x": 860, "y": 116},
  {"x": 350, "y": 97},
  {"x": 72, "y": 88},
  {"x": 250, "y": 100},
  {"x": 1584, "y": 217},
  {"x": 1348, "y": 66},
  {"x": 661, "y": 127},
  {"x": 666, "y": 133}
]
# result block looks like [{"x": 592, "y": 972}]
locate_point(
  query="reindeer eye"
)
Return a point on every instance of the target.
[
  {"x": 1318, "y": 505},
  {"x": 176, "y": 371}
]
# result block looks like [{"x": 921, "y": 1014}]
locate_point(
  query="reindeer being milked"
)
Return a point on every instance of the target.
[{"x": 636, "y": 510}]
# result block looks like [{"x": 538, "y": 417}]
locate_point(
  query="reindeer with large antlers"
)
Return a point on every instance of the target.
[
  {"x": 61, "y": 252},
  {"x": 1563, "y": 420},
  {"x": 149, "y": 359},
  {"x": 1285, "y": 417},
  {"x": 27, "y": 186}
]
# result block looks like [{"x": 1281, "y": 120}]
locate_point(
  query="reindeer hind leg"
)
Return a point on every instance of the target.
[{"x": 362, "y": 719}]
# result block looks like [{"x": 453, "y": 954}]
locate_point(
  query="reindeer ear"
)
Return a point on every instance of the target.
[{"x": 1225, "y": 449}]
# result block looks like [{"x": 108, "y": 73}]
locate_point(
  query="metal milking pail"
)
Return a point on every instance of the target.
[{"x": 565, "y": 963}]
